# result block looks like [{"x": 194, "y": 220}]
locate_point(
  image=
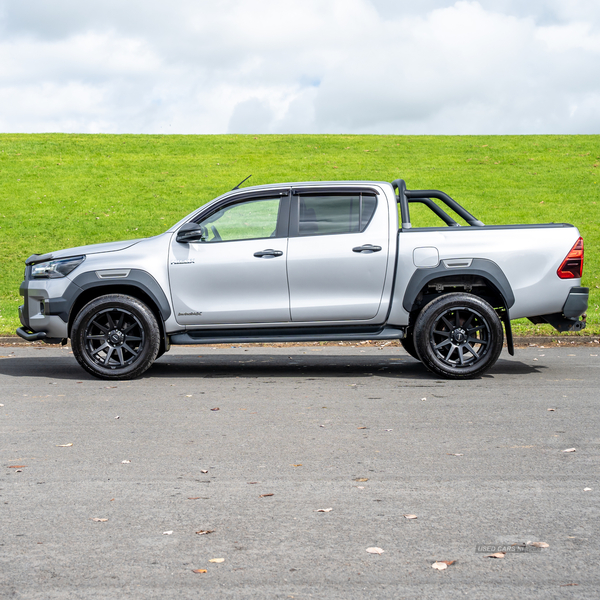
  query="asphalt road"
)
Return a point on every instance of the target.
[{"x": 365, "y": 432}]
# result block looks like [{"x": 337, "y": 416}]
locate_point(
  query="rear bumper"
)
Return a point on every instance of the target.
[{"x": 574, "y": 307}]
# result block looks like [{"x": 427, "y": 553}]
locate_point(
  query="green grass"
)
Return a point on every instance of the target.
[{"x": 59, "y": 190}]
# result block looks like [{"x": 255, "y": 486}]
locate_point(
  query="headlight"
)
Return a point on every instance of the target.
[{"x": 54, "y": 269}]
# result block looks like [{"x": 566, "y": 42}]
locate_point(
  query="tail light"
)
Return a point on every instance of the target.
[{"x": 572, "y": 266}]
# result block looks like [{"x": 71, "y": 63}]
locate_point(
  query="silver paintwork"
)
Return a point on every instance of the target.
[
  {"x": 318, "y": 279},
  {"x": 95, "y": 249}
]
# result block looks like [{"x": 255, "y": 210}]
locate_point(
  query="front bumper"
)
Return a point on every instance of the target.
[{"x": 34, "y": 313}]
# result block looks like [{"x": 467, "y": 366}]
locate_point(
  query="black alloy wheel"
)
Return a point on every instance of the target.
[
  {"x": 458, "y": 336},
  {"x": 115, "y": 337}
]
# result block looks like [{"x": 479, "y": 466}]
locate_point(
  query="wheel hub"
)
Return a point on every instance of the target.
[
  {"x": 116, "y": 338},
  {"x": 458, "y": 335}
]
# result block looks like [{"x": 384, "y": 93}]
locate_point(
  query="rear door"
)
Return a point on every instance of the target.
[{"x": 337, "y": 254}]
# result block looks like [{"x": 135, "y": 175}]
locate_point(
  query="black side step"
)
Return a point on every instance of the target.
[{"x": 277, "y": 335}]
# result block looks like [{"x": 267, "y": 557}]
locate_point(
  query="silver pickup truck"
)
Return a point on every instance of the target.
[{"x": 298, "y": 262}]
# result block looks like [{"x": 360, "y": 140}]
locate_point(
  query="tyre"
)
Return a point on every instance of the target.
[
  {"x": 115, "y": 337},
  {"x": 458, "y": 336},
  {"x": 408, "y": 343}
]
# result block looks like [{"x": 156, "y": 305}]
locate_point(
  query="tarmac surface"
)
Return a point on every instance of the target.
[{"x": 104, "y": 486}]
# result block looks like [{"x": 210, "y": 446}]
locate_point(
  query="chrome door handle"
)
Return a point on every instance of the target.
[
  {"x": 268, "y": 253},
  {"x": 367, "y": 248}
]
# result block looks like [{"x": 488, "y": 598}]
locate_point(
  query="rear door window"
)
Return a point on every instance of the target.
[{"x": 334, "y": 214}]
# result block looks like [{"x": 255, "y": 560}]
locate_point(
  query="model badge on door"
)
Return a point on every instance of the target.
[{"x": 190, "y": 314}]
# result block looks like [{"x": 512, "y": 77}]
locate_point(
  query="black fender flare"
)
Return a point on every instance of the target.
[
  {"x": 480, "y": 267},
  {"x": 135, "y": 278}
]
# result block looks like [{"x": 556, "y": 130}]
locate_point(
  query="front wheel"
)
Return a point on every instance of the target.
[
  {"x": 115, "y": 337},
  {"x": 458, "y": 336}
]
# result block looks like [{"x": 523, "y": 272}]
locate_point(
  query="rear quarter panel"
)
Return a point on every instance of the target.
[{"x": 529, "y": 256}]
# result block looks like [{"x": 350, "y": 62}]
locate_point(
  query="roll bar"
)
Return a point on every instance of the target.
[{"x": 424, "y": 197}]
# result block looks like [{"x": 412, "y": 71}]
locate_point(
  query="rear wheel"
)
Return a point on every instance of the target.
[
  {"x": 458, "y": 336},
  {"x": 115, "y": 337}
]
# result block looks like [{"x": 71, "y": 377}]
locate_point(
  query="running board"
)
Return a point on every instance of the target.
[{"x": 259, "y": 336}]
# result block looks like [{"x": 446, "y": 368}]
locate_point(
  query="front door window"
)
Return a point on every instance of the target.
[{"x": 251, "y": 220}]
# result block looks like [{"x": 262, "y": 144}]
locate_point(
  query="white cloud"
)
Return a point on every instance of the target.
[{"x": 262, "y": 66}]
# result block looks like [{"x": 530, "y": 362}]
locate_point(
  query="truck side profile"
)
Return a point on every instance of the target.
[{"x": 315, "y": 261}]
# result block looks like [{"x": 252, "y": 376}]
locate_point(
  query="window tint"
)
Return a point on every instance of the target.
[
  {"x": 254, "y": 219},
  {"x": 326, "y": 215}
]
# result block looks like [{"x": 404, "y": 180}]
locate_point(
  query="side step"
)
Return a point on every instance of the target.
[{"x": 289, "y": 334}]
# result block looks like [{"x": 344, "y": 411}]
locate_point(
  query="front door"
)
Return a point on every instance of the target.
[{"x": 237, "y": 273}]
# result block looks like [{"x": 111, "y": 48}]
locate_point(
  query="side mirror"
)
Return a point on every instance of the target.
[{"x": 191, "y": 232}]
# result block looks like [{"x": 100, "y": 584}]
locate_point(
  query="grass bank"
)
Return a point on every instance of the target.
[{"x": 59, "y": 190}]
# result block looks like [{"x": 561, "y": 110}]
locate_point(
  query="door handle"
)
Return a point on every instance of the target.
[
  {"x": 367, "y": 249},
  {"x": 268, "y": 253}
]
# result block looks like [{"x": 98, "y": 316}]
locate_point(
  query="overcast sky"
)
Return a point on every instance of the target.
[{"x": 300, "y": 66}]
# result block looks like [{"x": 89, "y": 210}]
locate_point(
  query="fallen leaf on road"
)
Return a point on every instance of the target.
[
  {"x": 375, "y": 551},
  {"x": 296, "y": 465},
  {"x": 568, "y": 584},
  {"x": 216, "y": 408},
  {"x": 252, "y": 482},
  {"x": 440, "y": 565},
  {"x": 496, "y": 555},
  {"x": 324, "y": 510},
  {"x": 205, "y": 531},
  {"x": 362, "y": 479},
  {"x": 551, "y": 409},
  {"x": 587, "y": 489},
  {"x": 17, "y": 466},
  {"x": 203, "y": 471},
  {"x": 125, "y": 462},
  {"x": 117, "y": 417},
  {"x": 63, "y": 445},
  {"x": 540, "y": 545},
  {"x": 410, "y": 516},
  {"x": 362, "y": 428},
  {"x": 217, "y": 560},
  {"x": 452, "y": 454},
  {"x": 167, "y": 533},
  {"x": 99, "y": 520},
  {"x": 199, "y": 571},
  {"x": 265, "y": 495},
  {"x": 570, "y": 450},
  {"x": 188, "y": 395}
]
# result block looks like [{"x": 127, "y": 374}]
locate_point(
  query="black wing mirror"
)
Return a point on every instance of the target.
[{"x": 191, "y": 232}]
